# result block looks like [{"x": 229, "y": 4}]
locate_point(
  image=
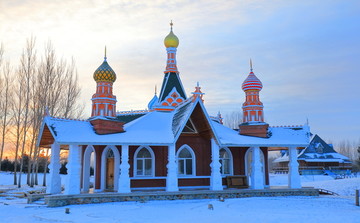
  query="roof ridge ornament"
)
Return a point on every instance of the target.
[{"x": 198, "y": 93}]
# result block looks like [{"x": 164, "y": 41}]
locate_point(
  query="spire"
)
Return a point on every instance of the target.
[
  {"x": 153, "y": 102},
  {"x": 105, "y": 55},
  {"x": 251, "y": 67},
  {"x": 155, "y": 89},
  {"x": 172, "y": 92}
]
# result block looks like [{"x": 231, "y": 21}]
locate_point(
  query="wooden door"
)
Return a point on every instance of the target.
[{"x": 110, "y": 173}]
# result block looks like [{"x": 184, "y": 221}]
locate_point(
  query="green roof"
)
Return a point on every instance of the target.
[{"x": 128, "y": 118}]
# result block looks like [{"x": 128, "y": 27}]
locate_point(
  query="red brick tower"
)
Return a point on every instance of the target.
[
  {"x": 252, "y": 107},
  {"x": 103, "y": 101},
  {"x": 253, "y": 114}
]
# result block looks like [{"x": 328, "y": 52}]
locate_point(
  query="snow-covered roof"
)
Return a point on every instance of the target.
[
  {"x": 315, "y": 157},
  {"x": 163, "y": 128},
  {"x": 152, "y": 128},
  {"x": 317, "y": 151},
  {"x": 279, "y": 137}
]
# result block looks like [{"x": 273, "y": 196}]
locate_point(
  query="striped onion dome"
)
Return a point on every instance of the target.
[
  {"x": 104, "y": 73},
  {"x": 252, "y": 83}
]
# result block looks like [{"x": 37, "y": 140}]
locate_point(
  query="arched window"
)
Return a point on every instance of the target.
[
  {"x": 186, "y": 161},
  {"x": 226, "y": 162},
  {"x": 144, "y": 162},
  {"x": 110, "y": 154}
]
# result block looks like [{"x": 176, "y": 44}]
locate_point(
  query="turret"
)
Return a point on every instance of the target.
[
  {"x": 103, "y": 101},
  {"x": 253, "y": 114},
  {"x": 172, "y": 92}
]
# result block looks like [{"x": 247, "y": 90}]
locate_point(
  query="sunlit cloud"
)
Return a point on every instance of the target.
[{"x": 305, "y": 52}]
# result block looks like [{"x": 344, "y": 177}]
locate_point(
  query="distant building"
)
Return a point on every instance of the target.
[
  {"x": 317, "y": 157},
  {"x": 173, "y": 145}
]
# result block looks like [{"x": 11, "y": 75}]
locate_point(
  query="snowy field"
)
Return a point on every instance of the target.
[{"x": 273, "y": 209}]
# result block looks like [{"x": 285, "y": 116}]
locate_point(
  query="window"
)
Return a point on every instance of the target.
[
  {"x": 225, "y": 160},
  {"x": 144, "y": 162},
  {"x": 110, "y": 154},
  {"x": 319, "y": 148},
  {"x": 186, "y": 161}
]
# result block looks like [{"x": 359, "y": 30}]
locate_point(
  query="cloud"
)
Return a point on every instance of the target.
[{"x": 305, "y": 52}]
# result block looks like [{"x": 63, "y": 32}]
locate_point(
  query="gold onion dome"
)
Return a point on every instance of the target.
[
  {"x": 104, "y": 73},
  {"x": 171, "y": 40}
]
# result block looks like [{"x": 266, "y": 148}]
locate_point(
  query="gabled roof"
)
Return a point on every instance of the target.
[
  {"x": 317, "y": 151},
  {"x": 317, "y": 143},
  {"x": 197, "y": 112}
]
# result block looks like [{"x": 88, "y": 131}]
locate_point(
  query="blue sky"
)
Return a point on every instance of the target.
[{"x": 306, "y": 53}]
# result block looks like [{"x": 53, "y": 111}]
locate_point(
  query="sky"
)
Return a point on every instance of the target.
[{"x": 306, "y": 53}]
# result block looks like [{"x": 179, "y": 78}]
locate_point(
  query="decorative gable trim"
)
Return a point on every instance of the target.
[{"x": 186, "y": 118}]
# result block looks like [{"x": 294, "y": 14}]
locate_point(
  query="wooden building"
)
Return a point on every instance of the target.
[
  {"x": 317, "y": 158},
  {"x": 174, "y": 145}
]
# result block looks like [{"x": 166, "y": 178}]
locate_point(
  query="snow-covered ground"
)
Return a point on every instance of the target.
[{"x": 259, "y": 209}]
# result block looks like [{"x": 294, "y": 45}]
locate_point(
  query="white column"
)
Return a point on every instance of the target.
[
  {"x": 171, "y": 179},
  {"x": 294, "y": 176},
  {"x": 54, "y": 185},
  {"x": 124, "y": 179},
  {"x": 72, "y": 184},
  {"x": 257, "y": 175},
  {"x": 215, "y": 178}
]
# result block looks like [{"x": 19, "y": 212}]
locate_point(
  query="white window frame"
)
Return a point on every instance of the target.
[
  {"x": 193, "y": 159},
  {"x": 152, "y": 162},
  {"x": 230, "y": 162}
]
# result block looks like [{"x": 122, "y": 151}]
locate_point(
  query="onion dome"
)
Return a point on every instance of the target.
[
  {"x": 252, "y": 82},
  {"x": 171, "y": 39},
  {"x": 104, "y": 73},
  {"x": 153, "y": 102}
]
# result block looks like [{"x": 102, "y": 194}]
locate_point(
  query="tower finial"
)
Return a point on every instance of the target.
[
  {"x": 251, "y": 67},
  {"x": 155, "y": 89},
  {"x": 171, "y": 25},
  {"x": 105, "y": 54}
]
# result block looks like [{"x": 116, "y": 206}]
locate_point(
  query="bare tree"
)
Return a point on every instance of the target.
[
  {"x": 51, "y": 83},
  {"x": 57, "y": 89},
  {"x": 347, "y": 148},
  {"x": 233, "y": 119},
  {"x": 27, "y": 69},
  {"x": 17, "y": 110},
  {"x": 5, "y": 95},
  {"x": 71, "y": 92}
]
